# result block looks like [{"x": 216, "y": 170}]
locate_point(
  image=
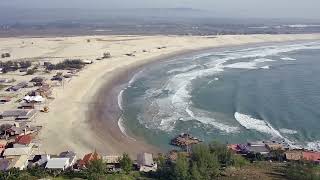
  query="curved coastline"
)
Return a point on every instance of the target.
[
  {"x": 84, "y": 114},
  {"x": 107, "y": 113}
]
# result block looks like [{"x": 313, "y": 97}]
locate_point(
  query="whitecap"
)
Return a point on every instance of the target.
[
  {"x": 242, "y": 65},
  {"x": 287, "y": 59},
  {"x": 315, "y": 145},
  {"x": 249, "y": 122},
  {"x": 265, "y": 67},
  {"x": 210, "y": 121},
  {"x": 288, "y": 131},
  {"x": 184, "y": 69}
]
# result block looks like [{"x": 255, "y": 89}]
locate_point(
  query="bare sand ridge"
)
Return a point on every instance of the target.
[{"x": 75, "y": 121}]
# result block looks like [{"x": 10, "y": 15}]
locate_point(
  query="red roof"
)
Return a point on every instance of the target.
[
  {"x": 311, "y": 156},
  {"x": 90, "y": 157},
  {"x": 23, "y": 139}
]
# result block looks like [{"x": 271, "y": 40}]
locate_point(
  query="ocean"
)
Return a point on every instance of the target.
[{"x": 233, "y": 95}]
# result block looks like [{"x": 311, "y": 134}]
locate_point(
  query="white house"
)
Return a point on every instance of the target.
[
  {"x": 145, "y": 162},
  {"x": 58, "y": 163}
]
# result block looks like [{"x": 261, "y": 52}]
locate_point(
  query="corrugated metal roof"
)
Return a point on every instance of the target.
[
  {"x": 17, "y": 151},
  {"x": 57, "y": 163}
]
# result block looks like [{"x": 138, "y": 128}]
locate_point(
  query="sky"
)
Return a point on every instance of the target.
[{"x": 223, "y": 8}]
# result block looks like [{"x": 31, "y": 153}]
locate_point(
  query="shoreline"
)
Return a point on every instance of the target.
[
  {"x": 71, "y": 123},
  {"x": 125, "y": 78}
]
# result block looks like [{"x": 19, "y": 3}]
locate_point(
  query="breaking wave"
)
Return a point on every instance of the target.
[{"x": 171, "y": 102}]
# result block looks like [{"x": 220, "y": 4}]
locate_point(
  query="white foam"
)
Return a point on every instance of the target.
[
  {"x": 265, "y": 67},
  {"x": 249, "y": 122},
  {"x": 287, "y": 59},
  {"x": 133, "y": 79},
  {"x": 120, "y": 101},
  {"x": 315, "y": 145},
  {"x": 210, "y": 121},
  {"x": 288, "y": 131},
  {"x": 174, "y": 107},
  {"x": 242, "y": 65},
  {"x": 261, "y": 60},
  {"x": 123, "y": 129},
  {"x": 185, "y": 69}
]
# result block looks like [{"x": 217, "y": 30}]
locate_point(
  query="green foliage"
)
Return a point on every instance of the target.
[
  {"x": 195, "y": 174},
  {"x": 126, "y": 163},
  {"x": 239, "y": 161},
  {"x": 302, "y": 171},
  {"x": 206, "y": 161},
  {"x": 277, "y": 155},
  {"x": 66, "y": 64},
  {"x": 96, "y": 170},
  {"x": 181, "y": 168},
  {"x": 37, "y": 172},
  {"x": 14, "y": 65}
]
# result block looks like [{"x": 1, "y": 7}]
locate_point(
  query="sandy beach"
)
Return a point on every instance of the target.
[{"x": 82, "y": 116}]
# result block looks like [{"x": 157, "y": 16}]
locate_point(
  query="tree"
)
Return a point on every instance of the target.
[
  {"x": 126, "y": 163},
  {"x": 207, "y": 162},
  {"x": 96, "y": 169},
  {"x": 223, "y": 154},
  {"x": 195, "y": 174},
  {"x": 181, "y": 168}
]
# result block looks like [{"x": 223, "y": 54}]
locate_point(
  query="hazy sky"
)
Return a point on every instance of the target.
[{"x": 228, "y": 8}]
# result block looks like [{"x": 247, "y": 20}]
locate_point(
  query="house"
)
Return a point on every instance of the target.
[
  {"x": 21, "y": 129},
  {"x": 145, "y": 162},
  {"x": 275, "y": 146},
  {"x": 12, "y": 152},
  {"x": 19, "y": 162},
  {"x": 71, "y": 155},
  {"x": 38, "y": 79},
  {"x": 18, "y": 86},
  {"x": 112, "y": 161},
  {"x": 18, "y": 114},
  {"x": 5, "y": 99},
  {"x": 293, "y": 155},
  {"x": 88, "y": 158},
  {"x": 255, "y": 148},
  {"x": 34, "y": 99},
  {"x": 58, "y": 163},
  {"x": 311, "y": 156},
  {"x": 23, "y": 141},
  {"x": 26, "y": 106},
  {"x": 39, "y": 160}
]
